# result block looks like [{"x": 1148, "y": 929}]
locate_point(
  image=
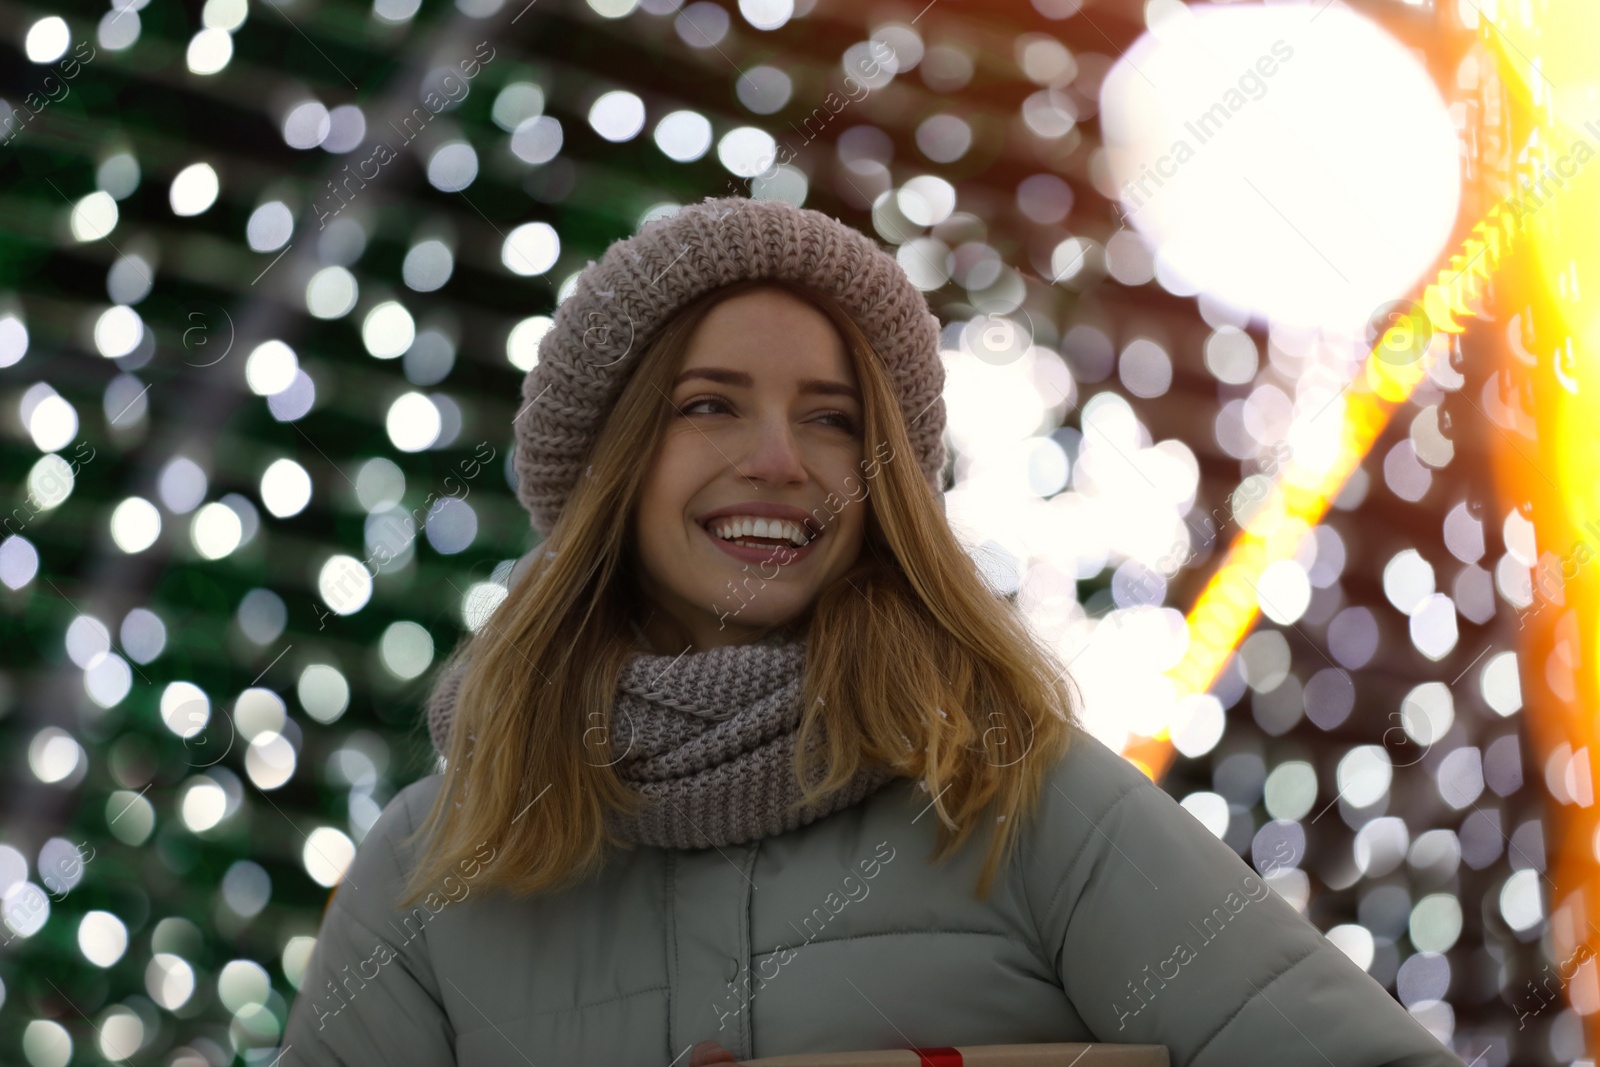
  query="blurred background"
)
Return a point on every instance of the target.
[{"x": 1270, "y": 329}]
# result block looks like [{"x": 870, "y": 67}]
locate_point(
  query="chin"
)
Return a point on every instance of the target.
[{"x": 770, "y": 615}]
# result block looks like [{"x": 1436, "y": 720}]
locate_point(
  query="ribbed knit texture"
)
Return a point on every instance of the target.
[
  {"x": 621, "y": 302},
  {"x": 708, "y": 739}
]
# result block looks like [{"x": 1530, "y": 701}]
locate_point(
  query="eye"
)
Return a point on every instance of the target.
[
  {"x": 688, "y": 407},
  {"x": 708, "y": 404}
]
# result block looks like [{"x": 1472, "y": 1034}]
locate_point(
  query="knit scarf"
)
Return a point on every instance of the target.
[{"x": 708, "y": 740}]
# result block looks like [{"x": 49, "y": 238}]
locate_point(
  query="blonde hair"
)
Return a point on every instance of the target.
[{"x": 911, "y": 660}]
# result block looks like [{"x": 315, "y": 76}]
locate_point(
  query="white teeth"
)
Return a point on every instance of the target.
[{"x": 749, "y": 526}]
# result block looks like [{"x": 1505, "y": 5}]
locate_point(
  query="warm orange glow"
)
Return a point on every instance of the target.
[
  {"x": 1226, "y": 608},
  {"x": 1545, "y": 50},
  {"x": 1553, "y": 209}
]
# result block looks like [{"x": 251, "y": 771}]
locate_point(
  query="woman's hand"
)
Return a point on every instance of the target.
[{"x": 709, "y": 1052}]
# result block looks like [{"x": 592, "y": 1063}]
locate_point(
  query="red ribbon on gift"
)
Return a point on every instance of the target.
[{"x": 938, "y": 1057}]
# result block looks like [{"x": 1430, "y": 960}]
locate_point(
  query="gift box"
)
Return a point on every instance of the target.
[{"x": 1071, "y": 1054}]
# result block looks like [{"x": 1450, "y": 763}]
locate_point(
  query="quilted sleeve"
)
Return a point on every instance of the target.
[
  {"x": 369, "y": 994},
  {"x": 1160, "y": 934}
]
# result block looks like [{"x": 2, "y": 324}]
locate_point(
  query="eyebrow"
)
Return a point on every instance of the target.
[{"x": 724, "y": 376}]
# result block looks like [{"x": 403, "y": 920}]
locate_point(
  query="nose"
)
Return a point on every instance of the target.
[{"x": 771, "y": 453}]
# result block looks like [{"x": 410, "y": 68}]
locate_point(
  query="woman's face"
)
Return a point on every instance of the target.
[{"x": 763, "y": 447}]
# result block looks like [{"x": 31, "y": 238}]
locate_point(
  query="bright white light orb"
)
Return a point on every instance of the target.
[
  {"x": 428, "y": 265},
  {"x": 224, "y": 14},
  {"x": 327, "y": 855},
  {"x": 516, "y": 103},
  {"x": 1355, "y": 941},
  {"x": 52, "y": 423},
  {"x": 203, "y": 804},
  {"x": 296, "y": 958},
  {"x": 537, "y": 139},
  {"x": 617, "y": 116},
  {"x": 118, "y": 29},
  {"x": 331, "y": 293},
  {"x": 926, "y": 200},
  {"x": 135, "y": 525},
  {"x": 118, "y": 331},
  {"x": 388, "y": 330},
  {"x": 1242, "y": 141},
  {"x": 270, "y": 226},
  {"x": 393, "y": 11},
  {"x": 1210, "y": 808},
  {"x": 47, "y": 40},
  {"x": 413, "y": 422},
  {"x": 46, "y": 1044},
  {"x": 269, "y": 760},
  {"x": 1197, "y": 725},
  {"x": 271, "y": 368},
  {"x": 242, "y": 983},
  {"x": 54, "y": 754},
  {"x": 285, "y": 488},
  {"x": 453, "y": 166},
  {"x": 194, "y": 189},
  {"x": 1284, "y": 591},
  {"x": 108, "y": 680},
  {"x": 209, "y": 51},
  {"x": 522, "y": 344},
  {"x": 1502, "y": 685},
  {"x": 406, "y": 649},
  {"x": 345, "y": 584},
  {"x": 185, "y": 708},
  {"x": 347, "y": 129},
  {"x": 64, "y": 863},
  {"x": 50, "y": 481},
  {"x": 323, "y": 692},
  {"x": 531, "y": 249},
  {"x": 13, "y": 340},
  {"x": 1520, "y": 902},
  {"x": 169, "y": 980},
  {"x": 1363, "y": 775},
  {"x": 24, "y": 909},
  {"x": 94, "y": 216},
  {"x": 121, "y": 1033},
  {"x": 307, "y": 125},
  {"x": 102, "y": 938},
  {"x": 684, "y": 136},
  {"x": 216, "y": 530},
  {"x": 766, "y": 14},
  {"x": 259, "y": 711},
  {"x": 19, "y": 561},
  {"x": 747, "y": 151}
]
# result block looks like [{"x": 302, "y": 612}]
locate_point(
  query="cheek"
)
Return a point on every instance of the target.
[
  {"x": 856, "y": 532},
  {"x": 852, "y": 518},
  {"x": 847, "y": 483},
  {"x": 670, "y": 480}
]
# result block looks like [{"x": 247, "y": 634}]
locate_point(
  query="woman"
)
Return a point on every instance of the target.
[{"x": 715, "y": 765}]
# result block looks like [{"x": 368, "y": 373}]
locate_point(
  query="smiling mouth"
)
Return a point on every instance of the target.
[
  {"x": 788, "y": 543},
  {"x": 749, "y": 541}
]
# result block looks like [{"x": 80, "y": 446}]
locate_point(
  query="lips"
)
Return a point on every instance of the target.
[
  {"x": 777, "y": 555},
  {"x": 712, "y": 520},
  {"x": 763, "y": 509}
]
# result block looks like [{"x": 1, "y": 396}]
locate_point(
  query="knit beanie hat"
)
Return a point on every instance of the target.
[{"x": 621, "y": 302}]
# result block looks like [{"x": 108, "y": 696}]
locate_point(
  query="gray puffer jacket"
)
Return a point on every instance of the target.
[{"x": 1120, "y": 918}]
